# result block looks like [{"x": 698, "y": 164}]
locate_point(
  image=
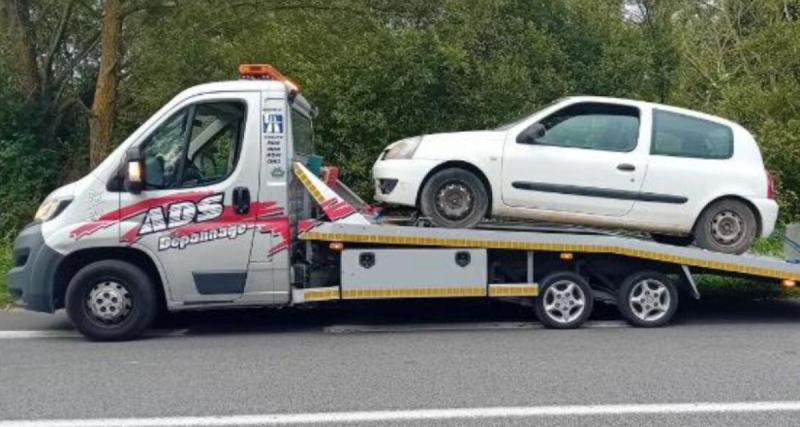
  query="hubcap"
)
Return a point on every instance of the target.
[
  {"x": 649, "y": 300},
  {"x": 109, "y": 302},
  {"x": 564, "y": 301},
  {"x": 454, "y": 200},
  {"x": 727, "y": 227}
]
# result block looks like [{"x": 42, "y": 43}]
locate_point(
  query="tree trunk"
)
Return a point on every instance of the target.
[
  {"x": 20, "y": 32},
  {"x": 101, "y": 122}
]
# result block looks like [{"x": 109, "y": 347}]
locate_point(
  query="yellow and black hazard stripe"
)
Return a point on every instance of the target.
[
  {"x": 312, "y": 189},
  {"x": 554, "y": 247},
  {"x": 491, "y": 290}
]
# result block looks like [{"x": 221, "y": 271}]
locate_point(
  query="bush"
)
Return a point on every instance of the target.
[{"x": 5, "y": 265}]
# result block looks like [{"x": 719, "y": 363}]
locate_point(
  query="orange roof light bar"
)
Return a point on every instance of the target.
[{"x": 268, "y": 72}]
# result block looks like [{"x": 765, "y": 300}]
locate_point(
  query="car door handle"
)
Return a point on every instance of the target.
[
  {"x": 241, "y": 200},
  {"x": 626, "y": 167}
]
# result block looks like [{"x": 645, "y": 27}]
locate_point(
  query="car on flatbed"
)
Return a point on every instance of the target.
[{"x": 680, "y": 175}]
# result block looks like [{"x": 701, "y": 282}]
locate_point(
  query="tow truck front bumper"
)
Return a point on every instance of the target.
[{"x": 31, "y": 280}]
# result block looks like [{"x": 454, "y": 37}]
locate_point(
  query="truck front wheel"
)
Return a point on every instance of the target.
[{"x": 111, "y": 300}]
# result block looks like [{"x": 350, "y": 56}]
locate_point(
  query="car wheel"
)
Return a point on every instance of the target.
[
  {"x": 727, "y": 226},
  {"x": 454, "y": 198},
  {"x": 669, "y": 239},
  {"x": 565, "y": 301},
  {"x": 647, "y": 299},
  {"x": 111, "y": 300}
]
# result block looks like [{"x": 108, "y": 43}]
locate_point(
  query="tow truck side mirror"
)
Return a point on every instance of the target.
[
  {"x": 531, "y": 134},
  {"x": 134, "y": 170}
]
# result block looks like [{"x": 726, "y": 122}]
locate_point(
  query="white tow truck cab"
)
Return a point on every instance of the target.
[{"x": 218, "y": 201}]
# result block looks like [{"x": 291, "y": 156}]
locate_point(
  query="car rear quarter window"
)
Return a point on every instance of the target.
[{"x": 684, "y": 136}]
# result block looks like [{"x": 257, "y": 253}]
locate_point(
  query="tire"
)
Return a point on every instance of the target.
[
  {"x": 562, "y": 288},
  {"x": 728, "y": 226},
  {"x": 647, "y": 310},
  {"x": 669, "y": 239},
  {"x": 118, "y": 290},
  {"x": 468, "y": 203}
]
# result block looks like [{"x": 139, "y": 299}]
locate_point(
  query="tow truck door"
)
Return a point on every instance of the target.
[{"x": 196, "y": 215}]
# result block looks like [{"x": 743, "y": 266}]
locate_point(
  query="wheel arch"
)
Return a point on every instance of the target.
[
  {"x": 75, "y": 261},
  {"x": 460, "y": 164},
  {"x": 748, "y": 203}
]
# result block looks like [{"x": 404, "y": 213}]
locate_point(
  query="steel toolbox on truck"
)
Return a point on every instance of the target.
[{"x": 217, "y": 202}]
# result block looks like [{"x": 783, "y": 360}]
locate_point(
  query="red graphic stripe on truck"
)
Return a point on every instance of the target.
[
  {"x": 130, "y": 211},
  {"x": 186, "y": 214},
  {"x": 337, "y": 208}
]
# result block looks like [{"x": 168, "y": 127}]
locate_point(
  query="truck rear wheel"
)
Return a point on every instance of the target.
[
  {"x": 565, "y": 301},
  {"x": 454, "y": 198},
  {"x": 647, "y": 299},
  {"x": 111, "y": 300}
]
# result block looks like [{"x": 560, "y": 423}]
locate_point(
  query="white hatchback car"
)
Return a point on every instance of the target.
[{"x": 681, "y": 175}]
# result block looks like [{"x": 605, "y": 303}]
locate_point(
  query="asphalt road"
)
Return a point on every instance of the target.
[{"x": 432, "y": 364}]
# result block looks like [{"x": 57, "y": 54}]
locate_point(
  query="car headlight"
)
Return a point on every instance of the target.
[
  {"x": 403, "y": 149},
  {"x": 50, "y": 209}
]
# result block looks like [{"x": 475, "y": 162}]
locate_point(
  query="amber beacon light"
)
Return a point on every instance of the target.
[{"x": 267, "y": 72}]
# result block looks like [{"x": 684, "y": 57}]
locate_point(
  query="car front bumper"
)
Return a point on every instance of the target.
[{"x": 398, "y": 181}]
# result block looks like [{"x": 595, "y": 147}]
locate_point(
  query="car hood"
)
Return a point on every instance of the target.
[{"x": 454, "y": 145}]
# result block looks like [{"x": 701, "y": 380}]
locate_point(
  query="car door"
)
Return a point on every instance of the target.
[
  {"x": 193, "y": 216},
  {"x": 589, "y": 160}
]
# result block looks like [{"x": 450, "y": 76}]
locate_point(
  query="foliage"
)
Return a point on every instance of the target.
[
  {"x": 5, "y": 265},
  {"x": 381, "y": 70}
]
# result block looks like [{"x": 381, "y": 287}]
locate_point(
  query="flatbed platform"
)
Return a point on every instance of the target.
[{"x": 746, "y": 264}]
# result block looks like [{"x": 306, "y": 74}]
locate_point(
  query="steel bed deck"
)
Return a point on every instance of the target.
[{"x": 746, "y": 264}]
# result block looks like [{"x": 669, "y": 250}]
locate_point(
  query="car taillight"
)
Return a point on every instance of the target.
[{"x": 771, "y": 193}]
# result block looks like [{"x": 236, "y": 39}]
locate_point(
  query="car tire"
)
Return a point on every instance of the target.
[
  {"x": 111, "y": 300},
  {"x": 565, "y": 301},
  {"x": 670, "y": 239},
  {"x": 647, "y": 299},
  {"x": 454, "y": 198},
  {"x": 727, "y": 226}
]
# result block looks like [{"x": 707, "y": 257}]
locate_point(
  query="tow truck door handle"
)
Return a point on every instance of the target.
[
  {"x": 241, "y": 200},
  {"x": 626, "y": 167}
]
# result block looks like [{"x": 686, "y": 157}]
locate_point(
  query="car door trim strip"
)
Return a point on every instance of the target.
[{"x": 606, "y": 193}]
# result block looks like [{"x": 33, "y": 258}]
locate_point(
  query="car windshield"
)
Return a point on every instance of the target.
[{"x": 519, "y": 120}]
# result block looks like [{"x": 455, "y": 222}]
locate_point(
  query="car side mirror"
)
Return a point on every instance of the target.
[
  {"x": 531, "y": 134},
  {"x": 134, "y": 170}
]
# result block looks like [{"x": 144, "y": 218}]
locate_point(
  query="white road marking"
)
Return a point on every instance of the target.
[
  {"x": 70, "y": 333},
  {"x": 438, "y": 327},
  {"x": 11, "y": 335},
  {"x": 336, "y": 329},
  {"x": 421, "y": 415}
]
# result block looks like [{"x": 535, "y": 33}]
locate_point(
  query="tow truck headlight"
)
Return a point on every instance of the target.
[
  {"x": 403, "y": 149},
  {"x": 51, "y": 208}
]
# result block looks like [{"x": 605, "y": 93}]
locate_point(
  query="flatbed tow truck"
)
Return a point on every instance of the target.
[{"x": 152, "y": 228}]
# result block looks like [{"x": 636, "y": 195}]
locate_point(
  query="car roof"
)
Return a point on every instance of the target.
[{"x": 647, "y": 104}]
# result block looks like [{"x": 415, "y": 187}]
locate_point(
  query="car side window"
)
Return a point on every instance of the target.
[
  {"x": 684, "y": 136},
  {"x": 198, "y": 145},
  {"x": 594, "y": 126}
]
